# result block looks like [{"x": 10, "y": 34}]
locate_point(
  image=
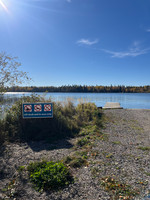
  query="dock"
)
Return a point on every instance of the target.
[{"x": 112, "y": 105}]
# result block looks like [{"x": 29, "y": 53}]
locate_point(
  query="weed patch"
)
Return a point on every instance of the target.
[
  {"x": 95, "y": 171},
  {"x": 21, "y": 168},
  {"x": 116, "y": 142},
  {"x": 10, "y": 189},
  {"x": 144, "y": 148},
  {"x": 49, "y": 175},
  {"x": 110, "y": 155},
  {"x": 118, "y": 190},
  {"x": 83, "y": 141},
  {"x": 147, "y": 173},
  {"x": 76, "y": 161},
  {"x": 89, "y": 130},
  {"x": 83, "y": 154}
]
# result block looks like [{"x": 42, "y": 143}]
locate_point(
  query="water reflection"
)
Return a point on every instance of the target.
[
  {"x": 127, "y": 100},
  {"x": 6, "y": 101}
]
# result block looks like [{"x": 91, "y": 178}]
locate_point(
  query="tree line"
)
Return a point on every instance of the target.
[{"x": 82, "y": 89}]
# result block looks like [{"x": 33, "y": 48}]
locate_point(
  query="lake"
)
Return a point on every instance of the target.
[{"x": 127, "y": 100}]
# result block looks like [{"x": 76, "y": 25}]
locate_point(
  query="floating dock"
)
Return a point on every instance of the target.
[{"x": 112, "y": 105}]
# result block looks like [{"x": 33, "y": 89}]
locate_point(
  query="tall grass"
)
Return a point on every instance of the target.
[{"x": 67, "y": 121}]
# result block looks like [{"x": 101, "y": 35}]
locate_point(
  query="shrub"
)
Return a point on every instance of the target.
[
  {"x": 87, "y": 112},
  {"x": 67, "y": 121},
  {"x": 49, "y": 175}
]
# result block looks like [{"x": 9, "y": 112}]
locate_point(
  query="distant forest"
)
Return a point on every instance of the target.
[{"x": 83, "y": 89}]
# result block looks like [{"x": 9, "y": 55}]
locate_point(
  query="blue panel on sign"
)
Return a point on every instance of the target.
[{"x": 37, "y": 110}]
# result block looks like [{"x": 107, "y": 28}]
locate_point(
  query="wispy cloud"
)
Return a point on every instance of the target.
[
  {"x": 133, "y": 51},
  {"x": 148, "y": 30},
  {"x": 118, "y": 54},
  {"x": 87, "y": 42},
  {"x": 69, "y": 1}
]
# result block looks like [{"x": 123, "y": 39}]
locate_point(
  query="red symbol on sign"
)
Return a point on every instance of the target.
[
  {"x": 47, "y": 107},
  {"x": 37, "y": 108},
  {"x": 27, "y": 108}
]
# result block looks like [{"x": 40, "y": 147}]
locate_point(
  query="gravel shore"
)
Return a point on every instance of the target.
[{"x": 124, "y": 155}]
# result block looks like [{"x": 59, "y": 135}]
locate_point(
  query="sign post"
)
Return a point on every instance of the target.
[{"x": 37, "y": 110}]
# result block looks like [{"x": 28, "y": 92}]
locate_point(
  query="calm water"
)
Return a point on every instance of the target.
[{"x": 127, "y": 100}]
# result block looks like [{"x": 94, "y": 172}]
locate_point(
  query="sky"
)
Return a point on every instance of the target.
[{"x": 78, "y": 42}]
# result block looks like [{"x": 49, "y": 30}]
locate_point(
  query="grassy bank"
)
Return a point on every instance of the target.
[{"x": 67, "y": 121}]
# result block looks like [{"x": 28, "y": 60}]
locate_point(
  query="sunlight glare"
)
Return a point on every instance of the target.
[{"x": 3, "y": 6}]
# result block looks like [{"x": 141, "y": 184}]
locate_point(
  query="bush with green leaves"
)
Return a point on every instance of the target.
[{"x": 49, "y": 175}]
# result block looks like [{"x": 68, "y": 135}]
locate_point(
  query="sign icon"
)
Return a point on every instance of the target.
[
  {"x": 47, "y": 107},
  {"x": 37, "y": 108},
  {"x": 27, "y": 108}
]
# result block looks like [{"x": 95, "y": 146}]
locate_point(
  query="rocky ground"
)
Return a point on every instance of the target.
[{"x": 121, "y": 157}]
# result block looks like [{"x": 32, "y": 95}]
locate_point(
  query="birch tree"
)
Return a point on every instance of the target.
[{"x": 10, "y": 72}]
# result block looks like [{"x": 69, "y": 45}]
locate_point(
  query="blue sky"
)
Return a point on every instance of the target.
[{"x": 87, "y": 42}]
